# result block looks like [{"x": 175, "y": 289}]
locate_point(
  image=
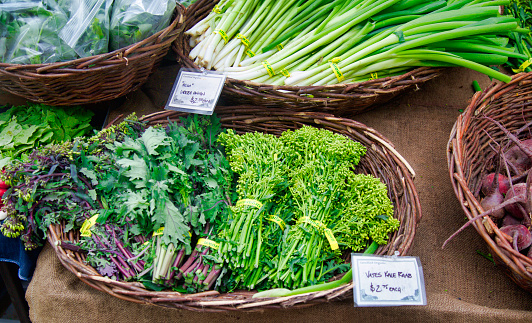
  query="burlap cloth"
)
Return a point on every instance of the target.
[{"x": 461, "y": 285}]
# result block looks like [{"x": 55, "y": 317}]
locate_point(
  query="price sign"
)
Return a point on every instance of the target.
[
  {"x": 196, "y": 91},
  {"x": 387, "y": 281}
]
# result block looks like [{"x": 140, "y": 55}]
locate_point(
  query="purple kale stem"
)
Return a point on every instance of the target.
[
  {"x": 140, "y": 253},
  {"x": 204, "y": 273},
  {"x": 69, "y": 246},
  {"x": 179, "y": 257},
  {"x": 118, "y": 243},
  {"x": 120, "y": 269},
  {"x": 189, "y": 261},
  {"x": 126, "y": 266},
  {"x": 211, "y": 278},
  {"x": 194, "y": 266},
  {"x": 192, "y": 258},
  {"x": 102, "y": 246},
  {"x": 51, "y": 175}
]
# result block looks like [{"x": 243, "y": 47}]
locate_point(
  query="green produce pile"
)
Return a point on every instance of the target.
[
  {"x": 297, "y": 42},
  {"x": 194, "y": 207},
  {"x": 24, "y": 128},
  {"x": 47, "y": 31}
]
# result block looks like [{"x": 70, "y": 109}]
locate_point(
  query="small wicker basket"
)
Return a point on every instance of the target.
[
  {"x": 91, "y": 79},
  {"x": 340, "y": 99},
  {"x": 469, "y": 151},
  {"x": 381, "y": 160}
]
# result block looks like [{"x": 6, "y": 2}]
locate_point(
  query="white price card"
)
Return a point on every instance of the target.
[
  {"x": 387, "y": 281},
  {"x": 196, "y": 91}
]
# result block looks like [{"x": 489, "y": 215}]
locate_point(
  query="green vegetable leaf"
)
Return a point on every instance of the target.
[{"x": 154, "y": 138}]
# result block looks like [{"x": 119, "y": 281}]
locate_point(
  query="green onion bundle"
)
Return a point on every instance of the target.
[{"x": 297, "y": 42}]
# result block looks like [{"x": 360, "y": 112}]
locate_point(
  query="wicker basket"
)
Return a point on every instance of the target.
[
  {"x": 340, "y": 99},
  {"x": 468, "y": 153},
  {"x": 91, "y": 79},
  {"x": 381, "y": 160}
]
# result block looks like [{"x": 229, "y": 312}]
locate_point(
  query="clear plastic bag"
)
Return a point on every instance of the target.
[
  {"x": 29, "y": 35},
  {"x": 135, "y": 20},
  {"x": 87, "y": 28}
]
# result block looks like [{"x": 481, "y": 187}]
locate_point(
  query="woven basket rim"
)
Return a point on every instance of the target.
[
  {"x": 513, "y": 263},
  {"x": 408, "y": 211}
]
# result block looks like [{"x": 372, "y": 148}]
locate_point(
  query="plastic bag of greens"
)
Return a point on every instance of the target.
[
  {"x": 87, "y": 28},
  {"x": 30, "y": 34},
  {"x": 135, "y": 20}
]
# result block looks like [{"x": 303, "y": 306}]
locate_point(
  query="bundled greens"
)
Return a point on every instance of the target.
[
  {"x": 299, "y": 206},
  {"x": 522, "y": 42},
  {"x": 336, "y": 41}
]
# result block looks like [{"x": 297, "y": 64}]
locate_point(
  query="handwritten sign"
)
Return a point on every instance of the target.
[
  {"x": 387, "y": 281},
  {"x": 196, "y": 91}
]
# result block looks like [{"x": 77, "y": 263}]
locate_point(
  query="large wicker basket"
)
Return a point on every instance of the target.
[
  {"x": 381, "y": 160},
  {"x": 95, "y": 78},
  {"x": 340, "y": 99},
  {"x": 469, "y": 153}
]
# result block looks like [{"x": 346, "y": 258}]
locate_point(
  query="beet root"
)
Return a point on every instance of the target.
[
  {"x": 509, "y": 220},
  {"x": 520, "y": 157},
  {"x": 517, "y": 210},
  {"x": 522, "y": 238},
  {"x": 488, "y": 187},
  {"x": 491, "y": 201}
]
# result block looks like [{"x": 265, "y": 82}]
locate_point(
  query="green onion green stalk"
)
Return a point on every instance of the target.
[{"x": 296, "y": 42}]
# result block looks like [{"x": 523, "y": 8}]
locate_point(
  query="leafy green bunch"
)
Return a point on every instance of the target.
[
  {"x": 163, "y": 185},
  {"x": 260, "y": 161},
  {"x": 54, "y": 183},
  {"x": 522, "y": 42},
  {"x": 23, "y": 128}
]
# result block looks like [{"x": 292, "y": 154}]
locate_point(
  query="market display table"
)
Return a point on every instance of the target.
[{"x": 461, "y": 284}]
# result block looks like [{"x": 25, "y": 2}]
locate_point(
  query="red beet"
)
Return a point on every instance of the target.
[
  {"x": 522, "y": 238},
  {"x": 517, "y": 210},
  {"x": 509, "y": 220},
  {"x": 491, "y": 201},
  {"x": 519, "y": 159},
  {"x": 487, "y": 184}
]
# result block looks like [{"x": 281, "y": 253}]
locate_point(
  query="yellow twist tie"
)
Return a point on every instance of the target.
[
  {"x": 523, "y": 66},
  {"x": 250, "y": 53},
  {"x": 374, "y": 76},
  {"x": 268, "y": 68},
  {"x": 87, "y": 225},
  {"x": 208, "y": 243},
  {"x": 278, "y": 220},
  {"x": 243, "y": 38},
  {"x": 320, "y": 226},
  {"x": 285, "y": 72},
  {"x": 249, "y": 202},
  {"x": 158, "y": 232},
  {"x": 216, "y": 9},
  {"x": 279, "y": 47},
  {"x": 336, "y": 71},
  {"x": 222, "y": 34}
]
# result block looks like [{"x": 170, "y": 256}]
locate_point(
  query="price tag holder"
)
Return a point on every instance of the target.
[
  {"x": 196, "y": 91},
  {"x": 387, "y": 281}
]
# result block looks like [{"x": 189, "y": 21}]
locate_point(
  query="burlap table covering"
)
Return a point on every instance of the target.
[{"x": 462, "y": 286}]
